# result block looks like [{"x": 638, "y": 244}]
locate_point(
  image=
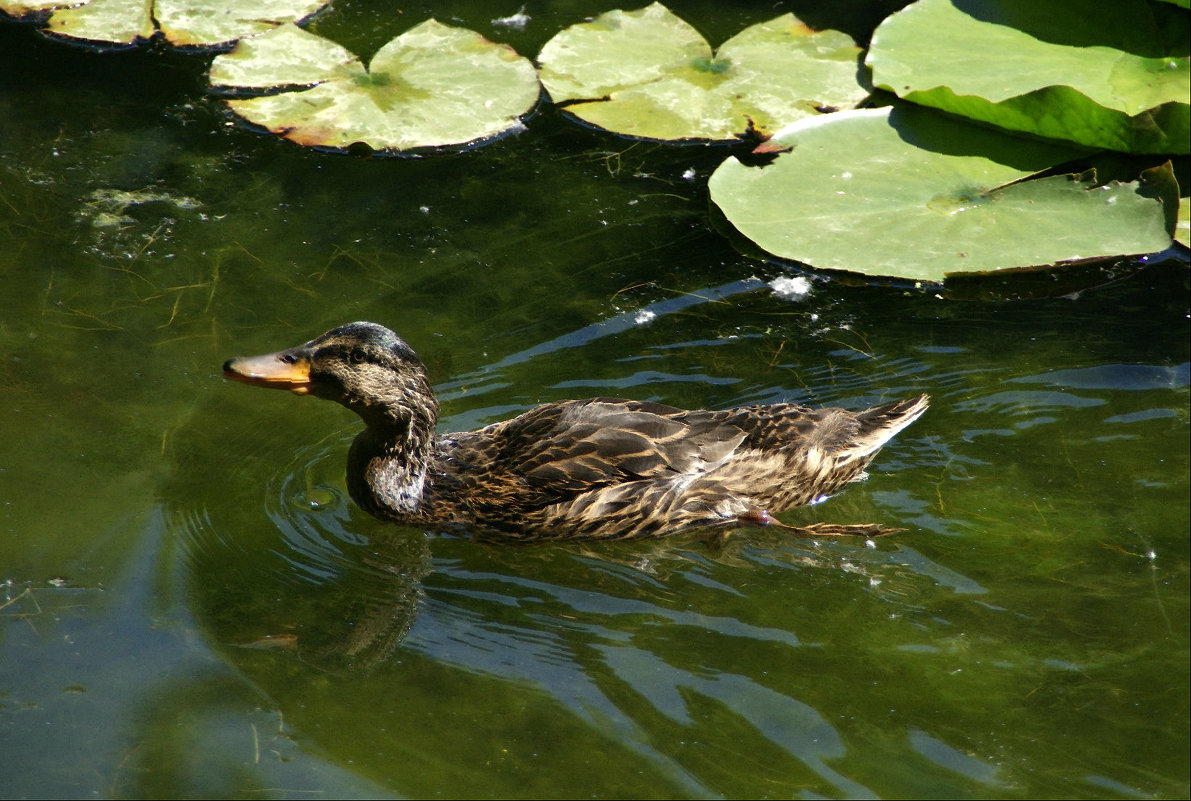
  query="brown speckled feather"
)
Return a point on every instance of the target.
[
  {"x": 616, "y": 468},
  {"x": 599, "y": 468}
]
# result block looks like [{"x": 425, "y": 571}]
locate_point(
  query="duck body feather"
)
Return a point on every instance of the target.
[{"x": 601, "y": 468}]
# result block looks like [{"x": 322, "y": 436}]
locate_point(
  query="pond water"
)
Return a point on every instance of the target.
[{"x": 192, "y": 607}]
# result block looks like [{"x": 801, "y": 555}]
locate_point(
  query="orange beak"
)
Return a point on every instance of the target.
[{"x": 286, "y": 369}]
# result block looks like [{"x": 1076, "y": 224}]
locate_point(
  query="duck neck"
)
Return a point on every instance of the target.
[{"x": 389, "y": 460}]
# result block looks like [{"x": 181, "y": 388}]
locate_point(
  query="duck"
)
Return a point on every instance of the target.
[{"x": 600, "y": 468}]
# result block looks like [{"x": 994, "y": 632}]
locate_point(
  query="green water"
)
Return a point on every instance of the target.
[{"x": 192, "y": 606}]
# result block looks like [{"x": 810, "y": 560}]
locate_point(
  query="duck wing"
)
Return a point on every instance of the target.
[
  {"x": 576, "y": 446},
  {"x": 601, "y": 468},
  {"x": 623, "y": 467}
]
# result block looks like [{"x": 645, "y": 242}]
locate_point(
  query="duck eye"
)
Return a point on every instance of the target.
[{"x": 357, "y": 356}]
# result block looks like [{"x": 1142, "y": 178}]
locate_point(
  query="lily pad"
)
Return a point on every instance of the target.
[
  {"x": 648, "y": 74},
  {"x": 1182, "y": 218},
  {"x": 911, "y": 193},
  {"x": 434, "y": 86},
  {"x": 1108, "y": 75},
  {"x": 184, "y": 23}
]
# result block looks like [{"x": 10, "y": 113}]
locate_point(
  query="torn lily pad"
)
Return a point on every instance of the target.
[
  {"x": 649, "y": 74},
  {"x": 183, "y": 23},
  {"x": 911, "y": 193},
  {"x": 434, "y": 86},
  {"x": 1107, "y": 75}
]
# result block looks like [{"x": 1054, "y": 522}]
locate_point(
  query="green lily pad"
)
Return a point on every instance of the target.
[
  {"x": 1108, "y": 75},
  {"x": 183, "y": 23},
  {"x": 28, "y": 9},
  {"x": 911, "y": 193},
  {"x": 648, "y": 74},
  {"x": 434, "y": 86},
  {"x": 1182, "y": 231}
]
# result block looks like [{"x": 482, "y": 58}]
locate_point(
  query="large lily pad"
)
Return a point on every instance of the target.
[
  {"x": 1113, "y": 75},
  {"x": 911, "y": 193},
  {"x": 185, "y": 23},
  {"x": 647, "y": 73},
  {"x": 433, "y": 86}
]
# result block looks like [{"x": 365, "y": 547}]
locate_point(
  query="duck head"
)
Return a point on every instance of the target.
[{"x": 362, "y": 365}]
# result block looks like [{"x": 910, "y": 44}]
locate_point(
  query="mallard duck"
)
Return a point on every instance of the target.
[{"x": 603, "y": 468}]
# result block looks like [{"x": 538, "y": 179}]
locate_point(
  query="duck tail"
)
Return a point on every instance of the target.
[{"x": 880, "y": 424}]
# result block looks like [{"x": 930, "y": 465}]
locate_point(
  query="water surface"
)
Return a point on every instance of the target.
[{"x": 193, "y": 607}]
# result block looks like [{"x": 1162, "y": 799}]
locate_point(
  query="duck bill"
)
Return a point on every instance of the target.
[{"x": 287, "y": 369}]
